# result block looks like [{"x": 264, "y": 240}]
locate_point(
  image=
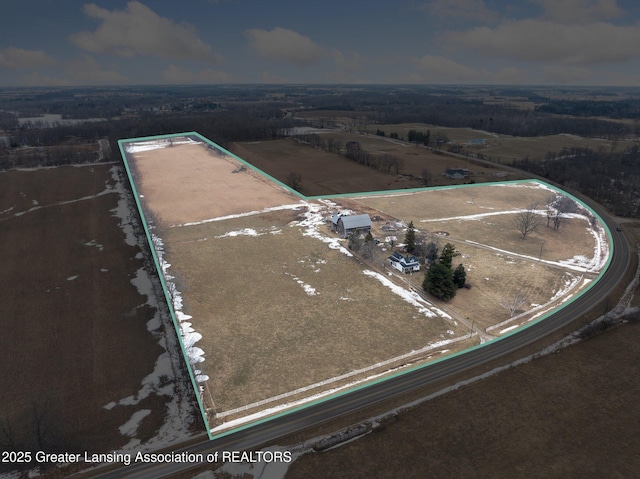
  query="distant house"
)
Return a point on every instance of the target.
[
  {"x": 344, "y": 225},
  {"x": 353, "y": 146},
  {"x": 457, "y": 173},
  {"x": 404, "y": 264}
]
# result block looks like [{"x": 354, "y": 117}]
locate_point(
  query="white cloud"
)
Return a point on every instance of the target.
[
  {"x": 549, "y": 42},
  {"x": 138, "y": 30},
  {"x": 350, "y": 61},
  {"x": 266, "y": 77},
  {"x": 443, "y": 70},
  {"x": 285, "y": 45},
  {"x": 178, "y": 75},
  {"x": 37, "y": 79},
  {"x": 579, "y": 11},
  {"x": 87, "y": 71},
  {"x": 13, "y": 58},
  {"x": 566, "y": 74},
  {"x": 475, "y": 10}
]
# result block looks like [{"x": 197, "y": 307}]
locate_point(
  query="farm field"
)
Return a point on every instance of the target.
[
  {"x": 74, "y": 358},
  {"x": 317, "y": 168},
  {"x": 279, "y": 158},
  {"x": 275, "y": 309},
  {"x": 498, "y": 147}
]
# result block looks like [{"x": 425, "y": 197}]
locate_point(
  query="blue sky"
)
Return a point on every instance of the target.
[{"x": 112, "y": 42}]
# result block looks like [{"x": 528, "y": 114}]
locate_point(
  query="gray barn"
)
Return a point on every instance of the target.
[{"x": 344, "y": 225}]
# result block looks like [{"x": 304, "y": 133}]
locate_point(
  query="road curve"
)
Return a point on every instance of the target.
[{"x": 269, "y": 430}]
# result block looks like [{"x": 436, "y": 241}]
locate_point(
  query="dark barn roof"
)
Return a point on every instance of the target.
[{"x": 355, "y": 221}]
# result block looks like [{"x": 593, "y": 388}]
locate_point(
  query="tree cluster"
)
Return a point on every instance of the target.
[
  {"x": 415, "y": 136},
  {"x": 441, "y": 280},
  {"x": 612, "y": 178}
]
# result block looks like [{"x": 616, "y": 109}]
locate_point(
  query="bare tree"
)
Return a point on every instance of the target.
[
  {"x": 7, "y": 434},
  {"x": 528, "y": 220},
  {"x": 294, "y": 180},
  {"x": 40, "y": 409},
  {"x": 563, "y": 206},
  {"x": 514, "y": 303},
  {"x": 558, "y": 206}
]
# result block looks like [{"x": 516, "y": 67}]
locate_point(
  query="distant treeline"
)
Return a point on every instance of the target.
[
  {"x": 240, "y": 124},
  {"x": 610, "y": 109},
  {"x": 227, "y": 114},
  {"x": 446, "y": 108}
]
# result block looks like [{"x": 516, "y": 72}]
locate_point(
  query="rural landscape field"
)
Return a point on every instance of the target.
[
  {"x": 99, "y": 375},
  {"x": 276, "y": 309},
  {"x": 280, "y": 315}
]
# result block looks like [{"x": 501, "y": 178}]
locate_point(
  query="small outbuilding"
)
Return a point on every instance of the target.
[
  {"x": 344, "y": 225},
  {"x": 457, "y": 173}
]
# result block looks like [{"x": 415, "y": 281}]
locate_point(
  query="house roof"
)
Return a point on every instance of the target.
[
  {"x": 355, "y": 221},
  {"x": 405, "y": 261}
]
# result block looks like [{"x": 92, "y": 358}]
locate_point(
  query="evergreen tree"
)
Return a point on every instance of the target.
[
  {"x": 460, "y": 276},
  {"x": 446, "y": 258},
  {"x": 410, "y": 239},
  {"x": 438, "y": 281}
]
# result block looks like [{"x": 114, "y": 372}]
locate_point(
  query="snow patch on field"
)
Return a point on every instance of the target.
[
  {"x": 130, "y": 427},
  {"x": 410, "y": 297},
  {"x": 95, "y": 243},
  {"x": 314, "y": 218},
  {"x": 122, "y": 211},
  {"x": 189, "y": 336},
  {"x": 164, "y": 380},
  {"x": 311, "y": 291},
  {"x": 294, "y": 207},
  {"x": 138, "y": 146},
  {"x": 250, "y": 232}
]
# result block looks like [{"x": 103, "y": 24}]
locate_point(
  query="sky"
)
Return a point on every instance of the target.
[{"x": 152, "y": 42}]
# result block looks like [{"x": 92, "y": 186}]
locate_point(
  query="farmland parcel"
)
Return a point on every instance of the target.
[{"x": 275, "y": 310}]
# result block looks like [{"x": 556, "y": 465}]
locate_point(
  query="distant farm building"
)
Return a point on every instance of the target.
[
  {"x": 344, "y": 225},
  {"x": 353, "y": 146},
  {"x": 405, "y": 264},
  {"x": 457, "y": 173}
]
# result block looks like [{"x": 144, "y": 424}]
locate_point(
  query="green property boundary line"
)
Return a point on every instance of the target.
[{"x": 209, "y": 143}]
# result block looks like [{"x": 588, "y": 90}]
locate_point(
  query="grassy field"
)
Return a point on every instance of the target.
[
  {"x": 75, "y": 333},
  {"x": 281, "y": 310},
  {"x": 495, "y": 276}
]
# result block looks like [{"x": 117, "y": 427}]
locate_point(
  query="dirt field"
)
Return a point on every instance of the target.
[
  {"x": 75, "y": 333},
  {"x": 319, "y": 169},
  {"x": 572, "y": 414},
  {"x": 310, "y": 314},
  {"x": 201, "y": 185},
  {"x": 322, "y": 173}
]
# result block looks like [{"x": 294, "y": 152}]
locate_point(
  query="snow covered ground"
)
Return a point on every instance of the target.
[{"x": 163, "y": 380}]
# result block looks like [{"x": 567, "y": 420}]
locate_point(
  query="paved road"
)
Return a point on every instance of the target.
[{"x": 253, "y": 437}]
